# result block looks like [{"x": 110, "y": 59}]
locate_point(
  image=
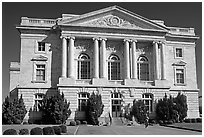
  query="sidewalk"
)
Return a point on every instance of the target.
[{"x": 187, "y": 126}]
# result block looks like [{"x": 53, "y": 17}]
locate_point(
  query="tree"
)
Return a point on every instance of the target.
[
  {"x": 181, "y": 106},
  {"x": 139, "y": 110},
  {"x": 55, "y": 109},
  {"x": 13, "y": 111},
  {"x": 94, "y": 108}
]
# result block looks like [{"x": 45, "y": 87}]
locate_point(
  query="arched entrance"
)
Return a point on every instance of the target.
[{"x": 116, "y": 100}]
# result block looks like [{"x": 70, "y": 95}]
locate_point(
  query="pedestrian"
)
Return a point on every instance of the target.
[
  {"x": 146, "y": 120},
  {"x": 110, "y": 118}
]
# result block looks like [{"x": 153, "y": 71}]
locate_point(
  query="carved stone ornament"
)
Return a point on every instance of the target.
[
  {"x": 113, "y": 21},
  {"x": 179, "y": 63},
  {"x": 39, "y": 58},
  {"x": 143, "y": 49},
  {"x": 83, "y": 45},
  {"x": 112, "y": 49}
]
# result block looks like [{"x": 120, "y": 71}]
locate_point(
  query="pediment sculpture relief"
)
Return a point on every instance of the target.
[{"x": 113, "y": 21}]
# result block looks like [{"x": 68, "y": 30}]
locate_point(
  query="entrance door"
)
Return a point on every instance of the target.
[{"x": 116, "y": 108}]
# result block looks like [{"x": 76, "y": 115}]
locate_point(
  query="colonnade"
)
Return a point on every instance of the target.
[{"x": 99, "y": 63}]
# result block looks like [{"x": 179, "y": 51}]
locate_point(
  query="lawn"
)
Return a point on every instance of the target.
[
  {"x": 194, "y": 126},
  {"x": 70, "y": 129}
]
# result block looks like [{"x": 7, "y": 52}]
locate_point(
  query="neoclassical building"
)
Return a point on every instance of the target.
[{"x": 112, "y": 51}]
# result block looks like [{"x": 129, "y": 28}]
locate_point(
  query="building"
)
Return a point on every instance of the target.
[{"x": 112, "y": 51}]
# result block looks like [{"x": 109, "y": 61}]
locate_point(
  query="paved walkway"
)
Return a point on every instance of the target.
[{"x": 137, "y": 130}]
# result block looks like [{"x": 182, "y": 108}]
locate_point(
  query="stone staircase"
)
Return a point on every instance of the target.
[{"x": 116, "y": 121}]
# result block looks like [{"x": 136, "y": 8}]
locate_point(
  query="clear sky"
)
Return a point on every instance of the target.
[{"x": 174, "y": 14}]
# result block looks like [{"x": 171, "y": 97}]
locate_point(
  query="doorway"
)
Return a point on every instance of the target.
[{"x": 116, "y": 99}]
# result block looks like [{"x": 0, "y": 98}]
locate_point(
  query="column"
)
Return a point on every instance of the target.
[
  {"x": 64, "y": 56},
  {"x": 96, "y": 58},
  {"x": 103, "y": 58},
  {"x": 134, "y": 59},
  {"x": 163, "y": 76},
  {"x": 71, "y": 57},
  {"x": 127, "y": 59},
  {"x": 156, "y": 63}
]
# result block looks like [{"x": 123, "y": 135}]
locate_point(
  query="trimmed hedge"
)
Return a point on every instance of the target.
[
  {"x": 57, "y": 130},
  {"x": 187, "y": 120},
  {"x": 78, "y": 122},
  {"x": 36, "y": 131},
  {"x": 72, "y": 123},
  {"x": 10, "y": 132},
  {"x": 48, "y": 131},
  {"x": 84, "y": 122},
  {"x": 199, "y": 120},
  {"x": 24, "y": 131},
  {"x": 63, "y": 128}
]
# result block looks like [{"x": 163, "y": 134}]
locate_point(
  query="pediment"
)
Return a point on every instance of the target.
[
  {"x": 39, "y": 58},
  {"x": 112, "y": 17},
  {"x": 179, "y": 63}
]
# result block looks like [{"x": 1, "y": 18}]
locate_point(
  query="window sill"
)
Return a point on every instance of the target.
[
  {"x": 177, "y": 84},
  {"x": 35, "y": 81}
]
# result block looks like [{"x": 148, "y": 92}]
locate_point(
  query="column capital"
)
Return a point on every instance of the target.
[
  {"x": 126, "y": 40},
  {"x": 155, "y": 42},
  {"x": 103, "y": 39},
  {"x": 95, "y": 38},
  {"x": 61, "y": 37},
  {"x": 134, "y": 40},
  {"x": 71, "y": 37}
]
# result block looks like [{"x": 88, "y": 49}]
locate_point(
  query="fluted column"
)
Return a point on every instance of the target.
[
  {"x": 163, "y": 76},
  {"x": 103, "y": 58},
  {"x": 134, "y": 59},
  {"x": 71, "y": 57},
  {"x": 156, "y": 62},
  {"x": 127, "y": 59},
  {"x": 96, "y": 58},
  {"x": 64, "y": 56}
]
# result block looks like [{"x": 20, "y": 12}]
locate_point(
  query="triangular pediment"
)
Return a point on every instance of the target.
[
  {"x": 112, "y": 17},
  {"x": 39, "y": 58},
  {"x": 179, "y": 63}
]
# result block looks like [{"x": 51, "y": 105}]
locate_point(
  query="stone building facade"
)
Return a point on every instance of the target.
[{"x": 112, "y": 51}]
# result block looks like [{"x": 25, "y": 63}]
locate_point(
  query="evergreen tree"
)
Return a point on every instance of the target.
[
  {"x": 13, "y": 111},
  {"x": 139, "y": 110},
  {"x": 55, "y": 109},
  {"x": 94, "y": 108}
]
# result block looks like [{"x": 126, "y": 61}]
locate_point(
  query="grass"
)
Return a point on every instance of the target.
[
  {"x": 195, "y": 126},
  {"x": 70, "y": 129}
]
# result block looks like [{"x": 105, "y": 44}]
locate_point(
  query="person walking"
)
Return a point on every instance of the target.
[{"x": 146, "y": 120}]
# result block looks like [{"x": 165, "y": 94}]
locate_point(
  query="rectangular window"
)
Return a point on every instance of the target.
[
  {"x": 179, "y": 53},
  {"x": 41, "y": 46},
  {"x": 38, "y": 101},
  {"x": 40, "y": 72},
  {"x": 180, "y": 76}
]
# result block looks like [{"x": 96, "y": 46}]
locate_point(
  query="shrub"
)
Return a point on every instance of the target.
[
  {"x": 187, "y": 120},
  {"x": 160, "y": 122},
  {"x": 36, "y": 131},
  {"x": 78, "y": 122},
  {"x": 139, "y": 111},
  {"x": 193, "y": 120},
  {"x": 13, "y": 111},
  {"x": 10, "y": 132},
  {"x": 72, "y": 123},
  {"x": 25, "y": 123},
  {"x": 199, "y": 120},
  {"x": 23, "y": 132},
  {"x": 48, "y": 131},
  {"x": 57, "y": 130},
  {"x": 55, "y": 109},
  {"x": 63, "y": 128},
  {"x": 94, "y": 108},
  {"x": 84, "y": 122}
]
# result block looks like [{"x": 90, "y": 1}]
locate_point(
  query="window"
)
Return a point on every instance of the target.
[
  {"x": 84, "y": 67},
  {"x": 143, "y": 68},
  {"x": 148, "y": 100},
  {"x": 41, "y": 46},
  {"x": 179, "y": 52},
  {"x": 113, "y": 68},
  {"x": 179, "y": 76},
  {"x": 82, "y": 101},
  {"x": 38, "y": 101},
  {"x": 40, "y": 72}
]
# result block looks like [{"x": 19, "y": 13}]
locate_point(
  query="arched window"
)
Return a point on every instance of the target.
[
  {"x": 83, "y": 66},
  {"x": 148, "y": 101},
  {"x": 143, "y": 68},
  {"x": 113, "y": 68}
]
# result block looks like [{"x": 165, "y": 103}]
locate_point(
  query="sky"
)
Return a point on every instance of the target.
[{"x": 173, "y": 14}]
